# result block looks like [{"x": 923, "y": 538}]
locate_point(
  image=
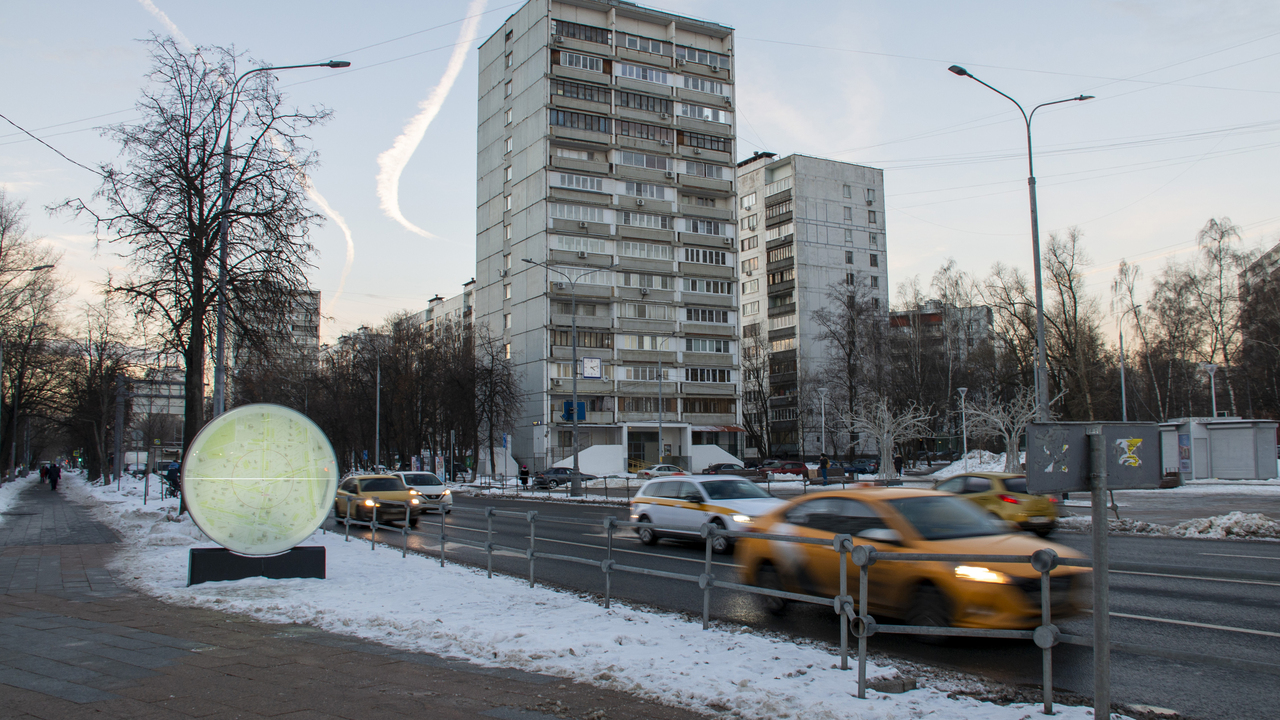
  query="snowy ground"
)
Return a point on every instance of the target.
[
  {"x": 1232, "y": 526},
  {"x": 9, "y": 491},
  {"x": 456, "y": 611}
]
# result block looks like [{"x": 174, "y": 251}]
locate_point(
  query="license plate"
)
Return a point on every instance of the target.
[{"x": 1038, "y": 520}]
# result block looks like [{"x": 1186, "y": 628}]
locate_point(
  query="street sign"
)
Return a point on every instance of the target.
[
  {"x": 1058, "y": 456},
  {"x": 591, "y": 368},
  {"x": 568, "y": 411}
]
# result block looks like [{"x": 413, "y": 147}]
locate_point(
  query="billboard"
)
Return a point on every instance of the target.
[{"x": 1058, "y": 456}]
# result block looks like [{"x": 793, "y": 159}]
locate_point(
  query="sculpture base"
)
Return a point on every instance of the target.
[{"x": 218, "y": 564}]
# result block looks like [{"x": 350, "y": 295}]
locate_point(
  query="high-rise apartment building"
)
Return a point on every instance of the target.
[
  {"x": 606, "y": 136},
  {"x": 811, "y": 230}
]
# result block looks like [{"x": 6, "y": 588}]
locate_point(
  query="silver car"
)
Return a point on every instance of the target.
[
  {"x": 431, "y": 490},
  {"x": 661, "y": 470}
]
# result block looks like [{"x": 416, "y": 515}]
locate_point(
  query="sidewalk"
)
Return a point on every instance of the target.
[{"x": 76, "y": 644}]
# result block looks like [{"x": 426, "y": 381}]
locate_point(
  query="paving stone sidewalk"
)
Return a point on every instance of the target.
[{"x": 74, "y": 643}]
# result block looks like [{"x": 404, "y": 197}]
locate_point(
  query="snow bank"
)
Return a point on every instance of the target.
[
  {"x": 9, "y": 492},
  {"x": 979, "y": 461},
  {"x": 501, "y": 622},
  {"x": 1232, "y": 526}
]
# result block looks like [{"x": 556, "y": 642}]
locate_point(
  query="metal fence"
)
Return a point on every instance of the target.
[
  {"x": 511, "y": 487},
  {"x": 854, "y": 618}
]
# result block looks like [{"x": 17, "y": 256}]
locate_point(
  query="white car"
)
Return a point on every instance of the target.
[
  {"x": 431, "y": 490},
  {"x": 678, "y": 507},
  {"x": 654, "y": 471}
]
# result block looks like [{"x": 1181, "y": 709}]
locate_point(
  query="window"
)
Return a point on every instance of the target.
[
  {"x": 780, "y": 231},
  {"x": 751, "y": 243},
  {"x": 875, "y": 281},
  {"x": 704, "y": 227},
  {"x": 586, "y": 339},
  {"x": 714, "y": 375},
  {"x": 639, "y": 43},
  {"x": 578, "y": 182},
  {"x": 507, "y": 37},
  {"x": 782, "y": 253},
  {"x": 703, "y": 85},
  {"x": 506, "y": 292},
  {"x": 871, "y": 195},
  {"x": 574, "y": 243},
  {"x": 706, "y": 257},
  {"x": 655, "y": 222},
  {"x": 575, "y": 154},
  {"x": 848, "y": 257},
  {"x": 707, "y": 170},
  {"x": 714, "y": 287},
  {"x": 782, "y": 321},
  {"x": 707, "y": 345},
  {"x": 644, "y": 131},
  {"x": 580, "y": 91},
  {"x": 647, "y": 250},
  {"x": 644, "y": 342},
  {"x": 508, "y": 120},
  {"x": 872, "y": 239},
  {"x": 648, "y": 405},
  {"x": 750, "y": 286},
  {"x": 701, "y": 112},
  {"x": 580, "y": 32},
  {"x": 506, "y": 321},
  {"x": 643, "y": 280},
  {"x": 698, "y": 201},
  {"x": 567, "y": 308},
  {"x": 848, "y": 236},
  {"x": 752, "y": 307},
  {"x": 750, "y": 222},
  {"x": 647, "y": 312},
  {"x": 507, "y": 230},
  {"x": 781, "y": 208},
  {"x": 702, "y": 57},
  {"x": 594, "y": 277},
  {"x": 641, "y": 373},
  {"x": 871, "y": 217},
  {"x": 788, "y": 343},
  {"x": 506, "y": 261},
  {"x": 782, "y": 276},
  {"x": 652, "y": 162},
  {"x": 580, "y": 121},
  {"x": 642, "y": 72},
  {"x": 785, "y": 298},
  {"x": 510, "y": 145},
  {"x": 851, "y": 278},
  {"x": 577, "y": 212},
  {"x": 706, "y": 142},
  {"x": 848, "y": 214},
  {"x": 584, "y": 62},
  {"x": 506, "y": 350},
  {"x": 875, "y": 303},
  {"x": 640, "y": 101},
  {"x": 507, "y": 173},
  {"x": 706, "y": 315},
  {"x": 751, "y": 264},
  {"x": 646, "y": 190},
  {"x": 509, "y": 61},
  {"x": 506, "y": 89},
  {"x": 848, "y": 191},
  {"x": 711, "y": 406},
  {"x": 875, "y": 260}
]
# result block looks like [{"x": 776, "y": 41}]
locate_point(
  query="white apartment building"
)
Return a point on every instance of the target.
[
  {"x": 808, "y": 228},
  {"x": 606, "y": 156}
]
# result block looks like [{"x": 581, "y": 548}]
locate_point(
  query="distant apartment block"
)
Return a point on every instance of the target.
[
  {"x": 941, "y": 328},
  {"x": 605, "y": 137},
  {"x": 451, "y": 315}
]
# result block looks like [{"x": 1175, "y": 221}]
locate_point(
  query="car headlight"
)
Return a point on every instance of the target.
[
  {"x": 744, "y": 519},
  {"x": 368, "y": 503},
  {"x": 446, "y": 493},
  {"x": 413, "y": 501},
  {"x": 412, "y": 491},
  {"x": 981, "y": 574}
]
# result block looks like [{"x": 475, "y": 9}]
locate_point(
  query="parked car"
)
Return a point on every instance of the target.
[
  {"x": 432, "y": 494},
  {"x": 726, "y": 468},
  {"x": 861, "y": 467},
  {"x": 555, "y": 477},
  {"x": 894, "y": 520},
  {"x": 1006, "y": 497},
  {"x": 363, "y": 493},
  {"x": 789, "y": 467},
  {"x": 677, "y": 508},
  {"x": 660, "y": 470}
]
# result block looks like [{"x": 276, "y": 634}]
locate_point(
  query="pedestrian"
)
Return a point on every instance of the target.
[
  {"x": 897, "y": 465},
  {"x": 44, "y": 473},
  {"x": 55, "y": 474},
  {"x": 524, "y": 475},
  {"x": 171, "y": 478},
  {"x": 823, "y": 463}
]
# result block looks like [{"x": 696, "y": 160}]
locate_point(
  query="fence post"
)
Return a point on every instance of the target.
[
  {"x": 346, "y": 533},
  {"x": 488, "y": 544},
  {"x": 443, "y": 535},
  {"x": 841, "y": 544},
  {"x": 1046, "y": 636},
  {"x": 404, "y": 532},
  {"x": 532, "y": 515},
  {"x": 373, "y": 526},
  {"x": 708, "y": 532},
  {"x": 609, "y": 523},
  {"x": 1101, "y": 615},
  {"x": 864, "y": 556}
]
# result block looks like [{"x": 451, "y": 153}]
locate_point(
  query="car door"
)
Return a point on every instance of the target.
[
  {"x": 811, "y": 568},
  {"x": 686, "y": 512},
  {"x": 855, "y": 517},
  {"x": 346, "y": 491},
  {"x": 978, "y": 489},
  {"x": 659, "y": 497}
]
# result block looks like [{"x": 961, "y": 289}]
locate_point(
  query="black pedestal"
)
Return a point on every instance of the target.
[{"x": 215, "y": 564}]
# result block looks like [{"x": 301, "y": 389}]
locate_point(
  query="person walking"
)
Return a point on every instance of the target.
[
  {"x": 897, "y": 465},
  {"x": 823, "y": 463},
  {"x": 44, "y": 474},
  {"x": 55, "y": 474}
]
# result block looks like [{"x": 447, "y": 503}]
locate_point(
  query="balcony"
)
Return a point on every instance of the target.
[
  {"x": 778, "y": 186},
  {"x": 725, "y": 214},
  {"x": 784, "y": 309},
  {"x": 580, "y": 135}
]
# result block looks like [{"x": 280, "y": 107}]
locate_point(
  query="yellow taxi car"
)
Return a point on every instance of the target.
[
  {"x": 363, "y": 493},
  {"x": 893, "y": 520},
  {"x": 1006, "y": 496}
]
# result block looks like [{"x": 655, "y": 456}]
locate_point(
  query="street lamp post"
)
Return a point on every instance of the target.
[
  {"x": 224, "y": 228},
  {"x": 1042, "y": 366},
  {"x": 822, "y": 393},
  {"x": 575, "y": 484},
  {"x": 1213, "y": 389},
  {"x": 964, "y": 427},
  {"x": 1124, "y": 406},
  {"x": 13, "y": 457},
  {"x": 377, "y": 400}
]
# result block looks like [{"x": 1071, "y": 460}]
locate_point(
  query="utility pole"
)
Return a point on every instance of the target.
[
  {"x": 119, "y": 468},
  {"x": 659, "y": 411},
  {"x": 964, "y": 427}
]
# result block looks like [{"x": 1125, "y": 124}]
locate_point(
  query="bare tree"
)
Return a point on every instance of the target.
[
  {"x": 989, "y": 417},
  {"x": 1216, "y": 291},
  {"x": 854, "y": 331},
  {"x": 875, "y": 417},
  {"x": 755, "y": 389},
  {"x": 88, "y": 399},
  {"x": 1125, "y": 300},
  {"x": 163, "y": 207},
  {"x": 498, "y": 397}
]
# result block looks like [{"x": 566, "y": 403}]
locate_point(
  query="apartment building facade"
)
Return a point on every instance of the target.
[
  {"x": 605, "y": 139},
  {"x": 810, "y": 229}
]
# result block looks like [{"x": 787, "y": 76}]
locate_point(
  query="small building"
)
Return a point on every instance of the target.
[{"x": 1227, "y": 448}]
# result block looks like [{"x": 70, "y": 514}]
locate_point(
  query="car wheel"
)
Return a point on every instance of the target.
[
  {"x": 721, "y": 545},
  {"x": 554, "y": 484},
  {"x": 767, "y": 577},
  {"x": 413, "y": 521},
  {"x": 929, "y": 608},
  {"x": 1043, "y": 532},
  {"x": 647, "y": 535}
]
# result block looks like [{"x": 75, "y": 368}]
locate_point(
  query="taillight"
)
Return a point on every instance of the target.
[
  {"x": 1009, "y": 499},
  {"x": 1052, "y": 499}
]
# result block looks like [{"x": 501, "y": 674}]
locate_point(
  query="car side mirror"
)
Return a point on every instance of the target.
[
  {"x": 693, "y": 498},
  {"x": 884, "y": 535}
]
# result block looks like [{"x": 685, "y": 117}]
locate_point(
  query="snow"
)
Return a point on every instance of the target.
[
  {"x": 9, "y": 492},
  {"x": 1232, "y": 526},
  {"x": 457, "y": 612},
  {"x": 979, "y": 461}
]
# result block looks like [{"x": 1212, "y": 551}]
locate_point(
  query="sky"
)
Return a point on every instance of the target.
[{"x": 1185, "y": 125}]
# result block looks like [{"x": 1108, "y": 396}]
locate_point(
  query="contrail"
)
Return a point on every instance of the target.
[
  {"x": 392, "y": 162},
  {"x": 169, "y": 25}
]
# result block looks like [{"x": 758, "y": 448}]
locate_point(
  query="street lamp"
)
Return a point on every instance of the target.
[
  {"x": 964, "y": 427},
  {"x": 1213, "y": 390},
  {"x": 822, "y": 392},
  {"x": 377, "y": 401},
  {"x": 575, "y": 484},
  {"x": 224, "y": 227},
  {"x": 1042, "y": 367},
  {"x": 1124, "y": 406}
]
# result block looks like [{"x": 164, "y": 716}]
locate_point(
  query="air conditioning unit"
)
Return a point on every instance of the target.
[
  {"x": 582, "y": 254},
  {"x": 748, "y": 273},
  {"x": 644, "y": 291},
  {"x": 680, "y": 61},
  {"x": 728, "y": 100},
  {"x": 665, "y": 116},
  {"x": 669, "y": 174},
  {"x": 582, "y": 224},
  {"x": 502, "y": 273},
  {"x": 871, "y": 201},
  {"x": 557, "y": 381},
  {"x": 747, "y": 207},
  {"x": 666, "y": 142},
  {"x": 640, "y": 203},
  {"x": 728, "y": 241},
  {"x": 561, "y": 285},
  {"x": 697, "y": 151},
  {"x": 715, "y": 68},
  {"x": 558, "y": 39}
]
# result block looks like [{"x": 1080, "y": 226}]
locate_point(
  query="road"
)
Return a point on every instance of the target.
[{"x": 1221, "y": 601}]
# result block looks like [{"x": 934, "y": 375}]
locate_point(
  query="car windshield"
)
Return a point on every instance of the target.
[
  {"x": 382, "y": 484},
  {"x": 421, "y": 478},
  {"x": 1016, "y": 484},
  {"x": 732, "y": 489},
  {"x": 943, "y": 517}
]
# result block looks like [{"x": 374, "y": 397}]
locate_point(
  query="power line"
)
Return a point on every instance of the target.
[{"x": 42, "y": 142}]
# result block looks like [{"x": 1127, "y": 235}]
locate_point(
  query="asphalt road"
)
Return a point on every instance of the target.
[{"x": 1222, "y": 600}]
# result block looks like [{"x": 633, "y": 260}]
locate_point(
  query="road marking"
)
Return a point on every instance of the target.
[
  {"x": 1251, "y": 557},
  {"x": 1188, "y": 623},
  {"x": 1196, "y": 577}
]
